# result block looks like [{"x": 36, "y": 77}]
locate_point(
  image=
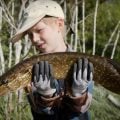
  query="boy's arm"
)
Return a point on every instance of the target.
[
  {"x": 42, "y": 90},
  {"x": 82, "y": 85},
  {"x": 82, "y": 103}
]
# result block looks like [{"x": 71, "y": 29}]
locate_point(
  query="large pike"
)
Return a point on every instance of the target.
[{"x": 106, "y": 71}]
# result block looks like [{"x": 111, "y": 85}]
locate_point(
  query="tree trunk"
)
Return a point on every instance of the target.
[
  {"x": 83, "y": 23},
  {"x": 115, "y": 44},
  {"x": 94, "y": 29},
  {"x": 76, "y": 25},
  {"x": 2, "y": 61}
]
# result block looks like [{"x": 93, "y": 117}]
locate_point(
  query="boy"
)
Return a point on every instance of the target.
[{"x": 43, "y": 21}]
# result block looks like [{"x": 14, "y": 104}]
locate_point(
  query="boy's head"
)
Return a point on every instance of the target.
[
  {"x": 46, "y": 11},
  {"x": 46, "y": 35}
]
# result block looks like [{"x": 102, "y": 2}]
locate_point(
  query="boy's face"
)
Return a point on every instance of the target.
[{"x": 46, "y": 35}]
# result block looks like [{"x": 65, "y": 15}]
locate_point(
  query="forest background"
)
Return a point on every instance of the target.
[{"x": 93, "y": 27}]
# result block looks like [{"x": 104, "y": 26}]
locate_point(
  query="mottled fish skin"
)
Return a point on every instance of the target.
[{"x": 106, "y": 71}]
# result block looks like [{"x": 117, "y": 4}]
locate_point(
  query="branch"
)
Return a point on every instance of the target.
[
  {"x": 73, "y": 14},
  {"x": 110, "y": 39},
  {"x": 8, "y": 17},
  {"x": 22, "y": 9},
  {"x": 114, "y": 101},
  {"x": 115, "y": 45}
]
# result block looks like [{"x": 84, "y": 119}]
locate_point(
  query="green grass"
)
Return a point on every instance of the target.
[{"x": 101, "y": 108}]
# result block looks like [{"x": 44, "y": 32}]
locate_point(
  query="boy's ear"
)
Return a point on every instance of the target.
[{"x": 60, "y": 23}]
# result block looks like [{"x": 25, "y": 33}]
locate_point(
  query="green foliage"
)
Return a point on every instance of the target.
[
  {"x": 15, "y": 110},
  {"x": 107, "y": 18}
]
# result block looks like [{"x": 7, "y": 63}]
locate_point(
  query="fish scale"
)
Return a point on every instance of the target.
[{"x": 106, "y": 71}]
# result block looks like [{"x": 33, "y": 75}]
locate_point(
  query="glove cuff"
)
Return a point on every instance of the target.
[
  {"x": 46, "y": 92},
  {"x": 78, "y": 93}
]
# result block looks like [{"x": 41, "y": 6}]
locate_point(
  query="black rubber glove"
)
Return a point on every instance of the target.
[
  {"x": 42, "y": 78},
  {"x": 82, "y": 75}
]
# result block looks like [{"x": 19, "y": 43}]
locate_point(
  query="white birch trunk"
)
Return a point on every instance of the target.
[
  {"x": 71, "y": 40},
  {"x": 0, "y": 18},
  {"x": 110, "y": 39},
  {"x": 18, "y": 48},
  {"x": 65, "y": 13},
  {"x": 10, "y": 44},
  {"x": 94, "y": 27},
  {"x": 80, "y": 47},
  {"x": 115, "y": 44},
  {"x": 76, "y": 25},
  {"x": 83, "y": 23},
  {"x": 2, "y": 67},
  {"x": 10, "y": 55},
  {"x": 2, "y": 61},
  {"x": 65, "y": 10},
  {"x": 27, "y": 46},
  {"x": 72, "y": 25},
  {"x": 10, "y": 98}
]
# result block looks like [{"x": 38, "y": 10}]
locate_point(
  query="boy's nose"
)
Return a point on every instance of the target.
[{"x": 36, "y": 37}]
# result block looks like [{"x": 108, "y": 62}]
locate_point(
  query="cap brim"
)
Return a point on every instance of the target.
[{"x": 21, "y": 32}]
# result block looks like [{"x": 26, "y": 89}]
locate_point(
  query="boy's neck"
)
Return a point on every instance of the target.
[{"x": 61, "y": 48}]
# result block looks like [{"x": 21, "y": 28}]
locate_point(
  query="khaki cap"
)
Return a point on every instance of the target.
[{"x": 34, "y": 13}]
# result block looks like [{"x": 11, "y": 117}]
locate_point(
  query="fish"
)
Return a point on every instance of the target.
[{"x": 106, "y": 71}]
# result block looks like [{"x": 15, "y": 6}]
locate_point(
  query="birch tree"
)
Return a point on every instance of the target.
[
  {"x": 94, "y": 28},
  {"x": 115, "y": 44},
  {"x": 76, "y": 25},
  {"x": 110, "y": 39},
  {"x": 18, "y": 48},
  {"x": 83, "y": 23},
  {"x": 2, "y": 61}
]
